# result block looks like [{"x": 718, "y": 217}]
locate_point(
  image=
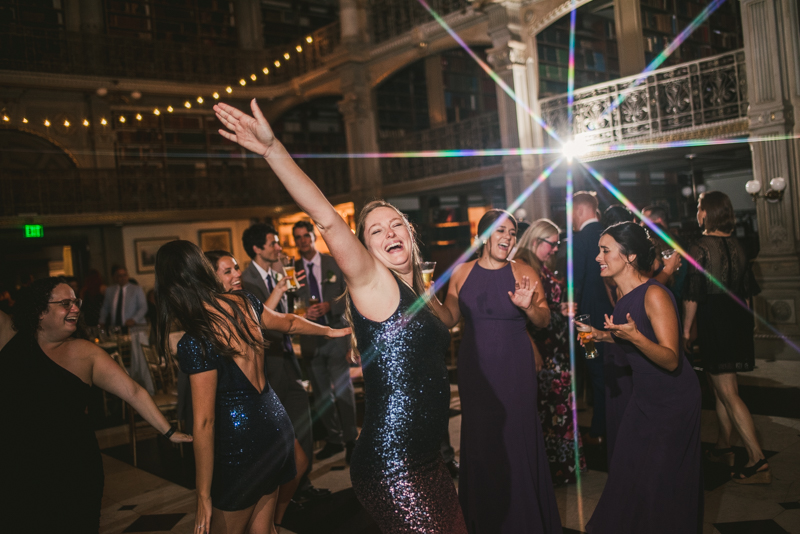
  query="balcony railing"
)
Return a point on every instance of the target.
[
  {"x": 391, "y": 18},
  {"x": 482, "y": 132},
  {"x": 689, "y": 95},
  {"x": 142, "y": 189},
  {"x": 62, "y": 52}
]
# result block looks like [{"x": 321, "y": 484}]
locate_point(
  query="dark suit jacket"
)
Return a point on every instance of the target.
[
  {"x": 253, "y": 283},
  {"x": 331, "y": 291},
  {"x": 590, "y": 290}
]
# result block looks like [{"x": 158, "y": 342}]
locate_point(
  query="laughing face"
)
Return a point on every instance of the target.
[
  {"x": 229, "y": 274},
  {"x": 502, "y": 240},
  {"x": 612, "y": 261},
  {"x": 388, "y": 239},
  {"x": 58, "y": 321}
]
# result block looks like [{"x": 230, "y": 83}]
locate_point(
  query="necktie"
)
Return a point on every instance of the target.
[
  {"x": 118, "y": 313},
  {"x": 313, "y": 287},
  {"x": 287, "y": 339}
]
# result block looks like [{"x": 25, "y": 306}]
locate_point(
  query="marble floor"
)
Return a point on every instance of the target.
[{"x": 136, "y": 500}]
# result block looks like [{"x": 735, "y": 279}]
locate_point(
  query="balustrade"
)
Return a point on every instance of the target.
[{"x": 690, "y": 95}]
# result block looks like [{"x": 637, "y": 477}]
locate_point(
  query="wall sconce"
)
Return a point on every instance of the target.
[{"x": 776, "y": 188}]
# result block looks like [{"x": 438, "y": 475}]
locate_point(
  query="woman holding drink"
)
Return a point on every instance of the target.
[
  {"x": 396, "y": 469},
  {"x": 654, "y": 483},
  {"x": 536, "y": 246},
  {"x": 504, "y": 483}
]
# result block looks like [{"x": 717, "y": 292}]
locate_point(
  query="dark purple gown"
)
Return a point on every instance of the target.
[
  {"x": 504, "y": 484},
  {"x": 655, "y": 480}
]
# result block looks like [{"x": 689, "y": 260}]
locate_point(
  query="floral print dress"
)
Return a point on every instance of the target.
[{"x": 555, "y": 386}]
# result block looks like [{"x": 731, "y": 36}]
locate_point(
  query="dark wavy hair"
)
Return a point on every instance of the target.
[
  {"x": 633, "y": 239},
  {"x": 186, "y": 288},
  {"x": 33, "y": 302},
  {"x": 215, "y": 255},
  {"x": 303, "y": 224},
  {"x": 488, "y": 220},
  {"x": 616, "y": 214},
  {"x": 719, "y": 212},
  {"x": 256, "y": 236}
]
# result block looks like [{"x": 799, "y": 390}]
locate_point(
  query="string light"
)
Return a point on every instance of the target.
[
  {"x": 309, "y": 40},
  {"x": 156, "y": 112},
  {"x": 24, "y": 120},
  {"x": 265, "y": 70},
  {"x": 169, "y": 108},
  {"x": 242, "y": 82},
  {"x": 187, "y": 105},
  {"x": 286, "y": 56},
  {"x": 103, "y": 121},
  {"x": 215, "y": 95},
  {"x": 199, "y": 99},
  {"x": 298, "y": 48},
  {"x": 138, "y": 116},
  {"x": 277, "y": 63},
  {"x": 86, "y": 122},
  {"x": 47, "y": 123},
  {"x": 5, "y": 118},
  {"x": 122, "y": 119},
  {"x": 228, "y": 90},
  {"x": 253, "y": 77},
  {"x": 66, "y": 123}
]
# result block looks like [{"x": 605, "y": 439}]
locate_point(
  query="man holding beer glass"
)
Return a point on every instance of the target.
[{"x": 326, "y": 359}]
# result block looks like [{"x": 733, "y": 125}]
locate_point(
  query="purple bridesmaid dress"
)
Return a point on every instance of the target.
[
  {"x": 504, "y": 484},
  {"x": 655, "y": 480}
]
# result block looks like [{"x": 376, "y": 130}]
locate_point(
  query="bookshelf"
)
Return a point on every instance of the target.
[
  {"x": 38, "y": 14},
  {"x": 468, "y": 90},
  {"x": 402, "y": 100},
  {"x": 284, "y": 21},
  {"x": 596, "y": 58},
  {"x": 663, "y": 20}
]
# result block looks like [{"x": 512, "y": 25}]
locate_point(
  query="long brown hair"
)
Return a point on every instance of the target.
[{"x": 418, "y": 284}]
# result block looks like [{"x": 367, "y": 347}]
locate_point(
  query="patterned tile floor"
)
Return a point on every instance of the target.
[{"x": 136, "y": 500}]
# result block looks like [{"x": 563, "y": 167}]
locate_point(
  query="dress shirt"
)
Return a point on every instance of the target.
[{"x": 271, "y": 273}]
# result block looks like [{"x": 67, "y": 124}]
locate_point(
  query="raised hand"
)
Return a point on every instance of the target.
[
  {"x": 252, "y": 133},
  {"x": 627, "y": 331},
  {"x": 522, "y": 297}
]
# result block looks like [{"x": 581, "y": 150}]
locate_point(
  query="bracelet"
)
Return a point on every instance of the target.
[{"x": 168, "y": 433}]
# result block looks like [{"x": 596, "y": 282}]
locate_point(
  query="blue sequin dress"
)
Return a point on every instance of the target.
[
  {"x": 253, "y": 436},
  {"x": 397, "y": 470}
]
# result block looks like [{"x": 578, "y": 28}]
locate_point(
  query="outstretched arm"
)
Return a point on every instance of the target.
[
  {"x": 255, "y": 134},
  {"x": 288, "y": 323}
]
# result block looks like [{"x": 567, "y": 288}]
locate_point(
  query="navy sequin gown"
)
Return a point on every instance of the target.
[
  {"x": 396, "y": 470},
  {"x": 654, "y": 480},
  {"x": 253, "y": 436}
]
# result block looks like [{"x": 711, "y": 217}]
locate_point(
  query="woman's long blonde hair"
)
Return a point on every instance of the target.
[
  {"x": 418, "y": 284},
  {"x": 533, "y": 236}
]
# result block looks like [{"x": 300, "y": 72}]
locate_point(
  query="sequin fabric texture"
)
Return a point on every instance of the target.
[
  {"x": 253, "y": 436},
  {"x": 396, "y": 470}
]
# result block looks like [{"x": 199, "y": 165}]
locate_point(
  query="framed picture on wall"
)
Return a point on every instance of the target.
[
  {"x": 146, "y": 250},
  {"x": 216, "y": 239}
]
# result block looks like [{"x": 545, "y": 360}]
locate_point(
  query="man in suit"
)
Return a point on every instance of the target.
[
  {"x": 326, "y": 359},
  {"x": 591, "y": 297},
  {"x": 283, "y": 371},
  {"x": 124, "y": 303}
]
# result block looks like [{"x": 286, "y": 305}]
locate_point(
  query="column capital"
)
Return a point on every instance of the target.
[{"x": 508, "y": 55}]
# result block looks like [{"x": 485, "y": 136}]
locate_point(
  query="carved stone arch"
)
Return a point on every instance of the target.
[{"x": 30, "y": 151}]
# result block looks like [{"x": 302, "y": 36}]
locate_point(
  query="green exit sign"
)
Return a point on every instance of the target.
[{"x": 34, "y": 230}]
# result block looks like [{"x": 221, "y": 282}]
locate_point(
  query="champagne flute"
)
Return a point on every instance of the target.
[{"x": 584, "y": 329}]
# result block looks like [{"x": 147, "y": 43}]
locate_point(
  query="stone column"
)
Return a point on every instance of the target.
[
  {"x": 630, "y": 39},
  {"x": 248, "y": 24},
  {"x": 434, "y": 81},
  {"x": 514, "y": 62},
  {"x": 91, "y": 16},
  {"x": 72, "y": 15},
  {"x": 772, "y": 48}
]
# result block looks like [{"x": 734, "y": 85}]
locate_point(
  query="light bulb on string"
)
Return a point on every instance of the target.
[
  {"x": 86, "y": 122},
  {"x": 228, "y": 89},
  {"x": 253, "y": 77},
  {"x": 24, "y": 120},
  {"x": 309, "y": 39},
  {"x": 277, "y": 63},
  {"x": 242, "y": 82},
  {"x": 298, "y": 48},
  {"x": 122, "y": 119},
  {"x": 265, "y": 70},
  {"x": 103, "y": 121},
  {"x": 47, "y": 123},
  {"x": 66, "y": 123},
  {"x": 6, "y": 118},
  {"x": 156, "y": 112},
  {"x": 286, "y": 56},
  {"x": 215, "y": 95},
  {"x": 199, "y": 99},
  {"x": 138, "y": 116},
  {"x": 187, "y": 105},
  {"x": 170, "y": 109}
]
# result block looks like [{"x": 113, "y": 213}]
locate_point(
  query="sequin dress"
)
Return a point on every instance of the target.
[
  {"x": 253, "y": 436},
  {"x": 396, "y": 470}
]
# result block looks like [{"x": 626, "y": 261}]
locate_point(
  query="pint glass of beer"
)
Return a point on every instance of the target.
[
  {"x": 427, "y": 272},
  {"x": 288, "y": 268},
  {"x": 584, "y": 328}
]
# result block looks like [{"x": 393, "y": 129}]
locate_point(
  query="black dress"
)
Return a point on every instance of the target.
[
  {"x": 253, "y": 436},
  {"x": 724, "y": 328},
  {"x": 396, "y": 470},
  {"x": 51, "y": 472}
]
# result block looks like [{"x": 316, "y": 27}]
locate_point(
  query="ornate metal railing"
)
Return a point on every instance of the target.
[
  {"x": 391, "y": 18},
  {"x": 62, "y": 52},
  {"x": 688, "y": 95},
  {"x": 480, "y": 132},
  {"x": 69, "y": 192}
]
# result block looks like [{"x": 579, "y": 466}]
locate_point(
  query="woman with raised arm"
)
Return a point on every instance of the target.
[
  {"x": 654, "y": 478},
  {"x": 244, "y": 441},
  {"x": 51, "y": 466},
  {"x": 396, "y": 470},
  {"x": 504, "y": 484}
]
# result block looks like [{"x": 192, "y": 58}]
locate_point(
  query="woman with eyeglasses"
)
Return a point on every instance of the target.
[
  {"x": 536, "y": 246},
  {"x": 51, "y": 454}
]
